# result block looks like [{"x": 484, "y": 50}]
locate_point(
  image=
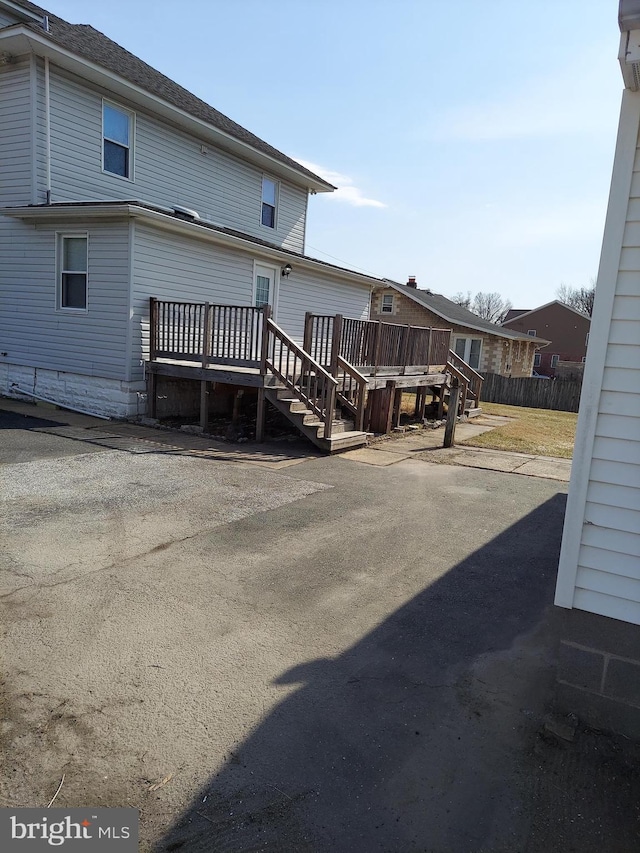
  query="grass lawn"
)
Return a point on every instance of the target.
[{"x": 540, "y": 431}]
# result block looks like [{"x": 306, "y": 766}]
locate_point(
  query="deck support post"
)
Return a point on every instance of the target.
[
  {"x": 397, "y": 405},
  {"x": 452, "y": 414},
  {"x": 391, "y": 387},
  {"x": 204, "y": 404},
  {"x": 441, "y": 402},
  {"x": 260, "y": 413}
]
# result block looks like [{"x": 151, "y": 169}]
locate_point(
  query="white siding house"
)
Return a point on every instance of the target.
[
  {"x": 599, "y": 570},
  {"x": 71, "y": 101}
]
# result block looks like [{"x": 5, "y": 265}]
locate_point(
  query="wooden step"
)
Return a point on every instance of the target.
[{"x": 343, "y": 436}]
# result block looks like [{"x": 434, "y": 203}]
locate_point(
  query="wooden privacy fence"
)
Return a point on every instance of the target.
[
  {"x": 373, "y": 344},
  {"x": 558, "y": 394}
]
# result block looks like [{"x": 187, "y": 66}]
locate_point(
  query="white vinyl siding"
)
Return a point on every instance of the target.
[
  {"x": 33, "y": 332},
  {"x": 171, "y": 168},
  {"x": 15, "y": 134},
  {"x": 604, "y": 530},
  {"x": 304, "y": 291},
  {"x": 170, "y": 266}
]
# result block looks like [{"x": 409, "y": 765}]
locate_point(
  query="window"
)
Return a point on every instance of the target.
[
  {"x": 468, "y": 349},
  {"x": 531, "y": 332},
  {"x": 387, "y": 303},
  {"x": 117, "y": 127},
  {"x": 536, "y": 360},
  {"x": 72, "y": 286},
  {"x": 269, "y": 202},
  {"x": 262, "y": 290},
  {"x": 554, "y": 360},
  {"x": 586, "y": 340}
]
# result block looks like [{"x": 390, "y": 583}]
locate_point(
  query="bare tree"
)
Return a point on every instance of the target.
[
  {"x": 580, "y": 298},
  {"x": 491, "y": 307},
  {"x": 460, "y": 299}
]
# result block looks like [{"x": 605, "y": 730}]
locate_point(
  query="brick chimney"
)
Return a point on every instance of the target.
[{"x": 412, "y": 281}]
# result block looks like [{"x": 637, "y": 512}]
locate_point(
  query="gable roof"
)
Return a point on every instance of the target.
[
  {"x": 547, "y": 305},
  {"x": 92, "y": 45},
  {"x": 512, "y": 313},
  {"x": 456, "y": 314}
]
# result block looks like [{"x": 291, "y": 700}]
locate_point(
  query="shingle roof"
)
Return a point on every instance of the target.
[
  {"x": 91, "y": 44},
  {"x": 448, "y": 310},
  {"x": 512, "y": 313}
]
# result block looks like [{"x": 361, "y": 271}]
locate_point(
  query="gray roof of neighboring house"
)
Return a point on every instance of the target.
[
  {"x": 512, "y": 313},
  {"x": 91, "y": 44},
  {"x": 448, "y": 310}
]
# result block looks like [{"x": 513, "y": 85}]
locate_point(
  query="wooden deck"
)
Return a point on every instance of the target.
[{"x": 345, "y": 363}]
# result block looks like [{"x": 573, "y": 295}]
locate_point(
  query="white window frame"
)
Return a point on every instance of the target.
[
  {"x": 61, "y": 236},
  {"x": 132, "y": 136},
  {"x": 554, "y": 360},
  {"x": 383, "y": 303},
  {"x": 586, "y": 340},
  {"x": 276, "y": 185},
  {"x": 537, "y": 358},
  {"x": 531, "y": 332}
]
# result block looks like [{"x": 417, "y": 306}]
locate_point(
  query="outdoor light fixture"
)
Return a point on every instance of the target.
[{"x": 286, "y": 269}]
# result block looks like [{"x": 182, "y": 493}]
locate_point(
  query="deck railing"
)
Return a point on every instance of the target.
[
  {"x": 205, "y": 333},
  {"x": 372, "y": 344}
]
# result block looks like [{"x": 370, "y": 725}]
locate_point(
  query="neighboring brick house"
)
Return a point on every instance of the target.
[
  {"x": 565, "y": 328},
  {"x": 485, "y": 346}
]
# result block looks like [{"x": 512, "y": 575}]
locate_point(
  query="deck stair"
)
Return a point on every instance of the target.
[{"x": 343, "y": 434}]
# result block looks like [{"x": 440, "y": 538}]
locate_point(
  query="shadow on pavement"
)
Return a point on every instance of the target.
[{"x": 424, "y": 735}]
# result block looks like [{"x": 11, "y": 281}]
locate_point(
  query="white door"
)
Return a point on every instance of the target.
[{"x": 265, "y": 287}]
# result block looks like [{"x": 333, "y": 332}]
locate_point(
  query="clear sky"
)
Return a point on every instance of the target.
[{"x": 472, "y": 141}]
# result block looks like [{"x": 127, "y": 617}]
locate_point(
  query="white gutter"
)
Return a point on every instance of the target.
[{"x": 47, "y": 113}]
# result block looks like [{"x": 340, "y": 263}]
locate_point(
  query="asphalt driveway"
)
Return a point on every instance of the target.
[{"x": 276, "y": 651}]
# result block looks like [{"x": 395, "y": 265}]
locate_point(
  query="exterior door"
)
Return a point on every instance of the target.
[
  {"x": 266, "y": 281},
  {"x": 468, "y": 349}
]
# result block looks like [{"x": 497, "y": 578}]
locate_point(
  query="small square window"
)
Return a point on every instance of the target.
[
  {"x": 531, "y": 332},
  {"x": 387, "y": 303},
  {"x": 117, "y": 137},
  {"x": 72, "y": 284},
  {"x": 269, "y": 202}
]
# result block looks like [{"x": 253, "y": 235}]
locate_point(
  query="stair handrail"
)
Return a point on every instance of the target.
[
  {"x": 315, "y": 386},
  {"x": 464, "y": 383},
  {"x": 357, "y": 407},
  {"x": 474, "y": 378}
]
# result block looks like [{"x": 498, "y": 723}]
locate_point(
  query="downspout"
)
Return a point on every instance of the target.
[{"x": 47, "y": 111}]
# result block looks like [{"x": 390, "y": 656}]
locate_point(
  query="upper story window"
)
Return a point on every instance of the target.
[
  {"x": 536, "y": 360},
  {"x": 73, "y": 275},
  {"x": 531, "y": 332},
  {"x": 554, "y": 360},
  {"x": 117, "y": 133},
  {"x": 387, "y": 303},
  {"x": 269, "y": 202}
]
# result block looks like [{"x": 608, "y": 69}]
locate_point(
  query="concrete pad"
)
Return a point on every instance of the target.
[
  {"x": 374, "y": 456},
  {"x": 551, "y": 469},
  {"x": 491, "y": 461}
]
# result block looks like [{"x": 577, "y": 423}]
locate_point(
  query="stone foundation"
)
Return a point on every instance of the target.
[
  {"x": 92, "y": 394},
  {"x": 598, "y": 676}
]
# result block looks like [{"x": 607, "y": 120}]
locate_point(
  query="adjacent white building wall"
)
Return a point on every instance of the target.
[
  {"x": 170, "y": 168},
  {"x": 600, "y": 559}
]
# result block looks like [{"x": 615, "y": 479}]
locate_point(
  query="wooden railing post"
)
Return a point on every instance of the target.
[
  {"x": 404, "y": 349},
  {"x": 452, "y": 414},
  {"x": 307, "y": 341},
  {"x": 335, "y": 344},
  {"x": 153, "y": 328},
  {"x": 429, "y": 345},
  {"x": 376, "y": 346},
  {"x": 330, "y": 399},
  {"x": 264, "y": 353}
]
